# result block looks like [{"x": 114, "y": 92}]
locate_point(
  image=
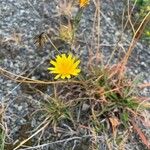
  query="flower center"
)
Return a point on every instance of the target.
[{"x": 65, "y": 68}]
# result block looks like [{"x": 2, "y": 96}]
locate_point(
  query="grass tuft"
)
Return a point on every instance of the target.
[{"x": 56, "y": 110}]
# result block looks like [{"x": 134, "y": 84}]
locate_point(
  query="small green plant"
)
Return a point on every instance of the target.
[
  {"x": 56, "y": 110},
  {"x": 113, "y": 97}
]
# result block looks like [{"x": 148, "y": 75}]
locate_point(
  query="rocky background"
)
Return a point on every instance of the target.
[{"x": 21, "y": 21}]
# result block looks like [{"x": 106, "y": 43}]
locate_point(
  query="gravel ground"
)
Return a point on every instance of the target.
[{"x": 21, "y": 21}]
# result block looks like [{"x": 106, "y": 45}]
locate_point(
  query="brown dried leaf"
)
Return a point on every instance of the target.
[
  {"x": 141, "y": 134},
  {"x": 114, "y": 123}
]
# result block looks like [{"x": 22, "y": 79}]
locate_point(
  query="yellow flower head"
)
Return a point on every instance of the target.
[
  {"x": 65, "y": 66},
  {"x": 83, "y": 3}
]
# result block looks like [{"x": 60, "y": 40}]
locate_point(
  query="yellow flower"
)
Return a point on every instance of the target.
[
  {"x": 64, "y": 66},
  {"x": 83, "y": 3}
]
